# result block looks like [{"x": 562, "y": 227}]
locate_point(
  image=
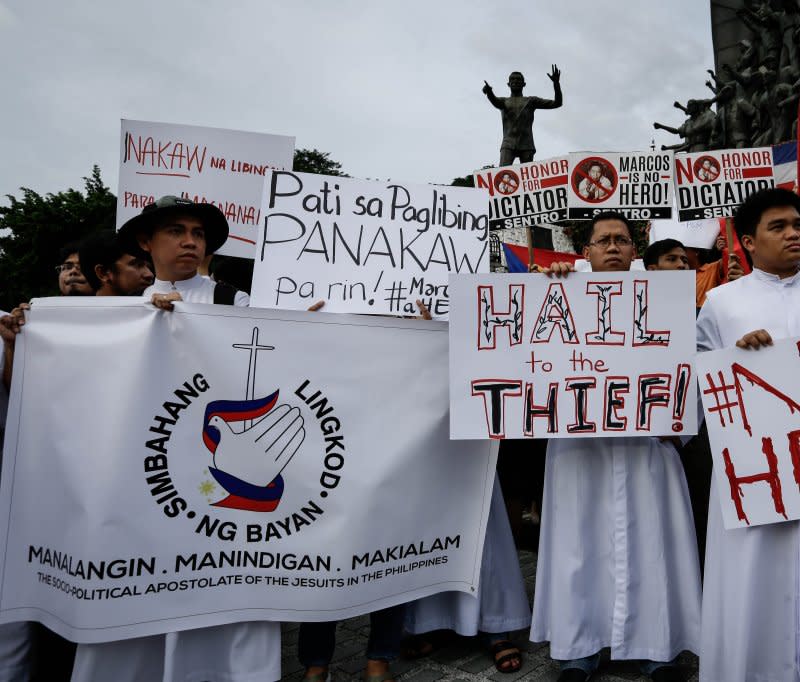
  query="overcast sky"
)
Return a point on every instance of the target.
[{"x": 390, "y": 89}]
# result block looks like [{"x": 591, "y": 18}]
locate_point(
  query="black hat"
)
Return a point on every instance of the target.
[{"x": 214, "y": 222}]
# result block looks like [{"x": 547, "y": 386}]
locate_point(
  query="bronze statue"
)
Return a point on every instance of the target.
[
  {"x": 696, "y": 131},
  {"x": 517, "y": 112},
  {"x": 757, "y": 98}
]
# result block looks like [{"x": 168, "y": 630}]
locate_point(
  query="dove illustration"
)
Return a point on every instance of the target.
[{"x": 260, "y": 453}]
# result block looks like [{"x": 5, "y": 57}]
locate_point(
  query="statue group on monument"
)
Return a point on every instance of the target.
[{"x": 757, "y": 97}]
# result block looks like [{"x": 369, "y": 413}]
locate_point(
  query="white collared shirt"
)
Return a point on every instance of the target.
[{"x": 197, "y": 289}]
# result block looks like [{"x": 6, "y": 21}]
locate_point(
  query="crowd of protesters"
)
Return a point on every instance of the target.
[{"x": 624, "y": 522}]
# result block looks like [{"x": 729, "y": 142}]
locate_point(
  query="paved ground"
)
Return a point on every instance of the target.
[{"x": 464, "y": 659}]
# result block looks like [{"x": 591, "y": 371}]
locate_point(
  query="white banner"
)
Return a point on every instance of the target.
[
  {"x": 752, "y": 410},
  {"x": 713, "y": 184},
  {"x": 165, "y": 471},
  {"x": 636, "y": 184},
  {"x": 698, "y": 234},
  {"x": 594, "y": 354},
  {"x": 208, "y": 165},
  {"x": 526, "y": 195},
  {"x": 365, "y": 247}
]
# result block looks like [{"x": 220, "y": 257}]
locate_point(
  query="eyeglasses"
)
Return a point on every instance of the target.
[
  {"x": 606, "y": 242},
  {"x": 67, "y": 267}
]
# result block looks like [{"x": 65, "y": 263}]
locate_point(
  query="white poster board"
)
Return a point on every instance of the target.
[
  {"x": 281, "y": 470},
  {"x": 526, "y": 195},
  {"x": 594, "y": 354},
  {"x": 365, "y": 246},
  {"x": 636, "y": 184},
  {"x": 698, "y": 234},
  {"x": 752, "y": 407},
  {"x": 208, "y": 165},
  {"x": 712, "y": 184}
]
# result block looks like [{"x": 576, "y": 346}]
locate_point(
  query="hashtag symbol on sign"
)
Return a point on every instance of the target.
[
  {"x": 396, "y": 296},
  {"x": 722, "y": 398}
]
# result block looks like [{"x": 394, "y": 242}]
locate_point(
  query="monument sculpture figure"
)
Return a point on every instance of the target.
[
  {"x": 517, "y": 112},
  {"x": 757, "y": 97},
  {"x": 696, "y": 131}
]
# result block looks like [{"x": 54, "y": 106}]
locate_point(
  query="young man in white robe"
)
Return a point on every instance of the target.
[
  {"x": 617, "y": 562},
  {"x": 15, "y": 638},
  {"x": 500, "y": 606},
  {"x": 177, "y": 234},
  {"x": 751, "y": 593}
]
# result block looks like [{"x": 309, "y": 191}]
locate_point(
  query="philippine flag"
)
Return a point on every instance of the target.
[
  {"x": 517, "y": 257},
  {"x": 784, "y": 160}
]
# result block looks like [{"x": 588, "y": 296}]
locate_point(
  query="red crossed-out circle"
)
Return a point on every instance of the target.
[
  {"x": 506, "y": 181},
  {"x": 707, "y": 173},
  {"x": 598, "y": 191}
]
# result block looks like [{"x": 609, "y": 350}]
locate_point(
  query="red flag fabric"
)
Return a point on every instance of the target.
[
  {"x": 542, "y": 257},
  {"x": 738, "y": 249}
]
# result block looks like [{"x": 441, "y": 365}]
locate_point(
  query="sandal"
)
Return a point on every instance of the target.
[{"x": 507, "y": 657}]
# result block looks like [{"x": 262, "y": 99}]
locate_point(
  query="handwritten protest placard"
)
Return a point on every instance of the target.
[
  {"x": 752, "y": 407},
  {"x": 595, "y": 354},
  {"x": 209, "y": 165},
  {"x": 712, "y": 184},
  {"x": 637, "y": 184},
  {"x": 365, "y": 247},
  {"x": 526, "y": 195}
]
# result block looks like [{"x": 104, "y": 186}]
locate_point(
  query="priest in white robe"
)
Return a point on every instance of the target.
[
  {"x": 618, "y": 563},
  {"x": 177, "y": 233},
  {"x": 15, "y": 638},
  {"x": 501, "y": 603},
  {"x": 751, "y": 592}
]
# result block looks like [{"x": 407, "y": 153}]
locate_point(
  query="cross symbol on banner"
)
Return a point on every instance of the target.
[{"x": 253, "y": 347}]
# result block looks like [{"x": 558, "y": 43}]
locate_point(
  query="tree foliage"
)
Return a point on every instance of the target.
[
  {"x": 33, "y": 228},
  {"x": 38, "y": 226},
  {"x": 315, "y": 161},
  {"x": 466, "y": 181}
]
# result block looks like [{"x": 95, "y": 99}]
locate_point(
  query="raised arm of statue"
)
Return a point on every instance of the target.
[
  {"x": 558, "y": 98},
  {"x": 677, "y": 147},
  {"x": 736, "y": 75},
  {"x": 661, "y": 126},
  {"x": 680, "y": 106},
  {"x": 487, "y": 90}
]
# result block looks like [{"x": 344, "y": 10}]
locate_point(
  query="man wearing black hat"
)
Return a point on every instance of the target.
[{"x": 177, "y": 233}]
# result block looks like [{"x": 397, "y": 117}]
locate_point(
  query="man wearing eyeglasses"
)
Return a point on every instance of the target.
[
  {"x": 617, "y": 564},
  {"x": 71, "y": 281}
]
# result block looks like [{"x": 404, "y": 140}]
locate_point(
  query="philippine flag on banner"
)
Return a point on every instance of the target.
[
  {"x": 517, "y": 257},
  {"x": 784, "y": 160}
]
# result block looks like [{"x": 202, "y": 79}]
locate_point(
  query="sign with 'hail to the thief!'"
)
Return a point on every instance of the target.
[
  {"x": 595, "y": 354},
  {"x": 752, "y": 408}
]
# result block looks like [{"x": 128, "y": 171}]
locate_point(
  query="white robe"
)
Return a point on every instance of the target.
[
  {"x": 501, "y": 604},
  {"x": 15, "y": 638},
  {"x": 617, "y": 561},
  {"x": 750, "y": 599},
  {"x": 240, "y": 652}
]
